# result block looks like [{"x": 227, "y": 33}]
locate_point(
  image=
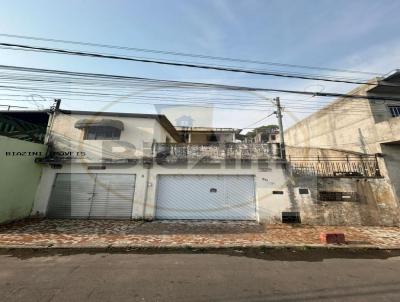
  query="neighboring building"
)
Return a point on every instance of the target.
[
  {"x": 21, "y": 141},
  {"x": 25, "y": 125},
  {"x": 204, "y": 135},
  {"x": 354, "y": 138},
  {"x": 184, "y": 121},
  {"x": 270, "y": 137}
]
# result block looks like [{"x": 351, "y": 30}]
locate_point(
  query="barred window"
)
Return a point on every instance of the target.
[
  {"x": 337, "y": 196},
  {"x": 394, "y": 111},
  {"x": 102, "y": 133}
]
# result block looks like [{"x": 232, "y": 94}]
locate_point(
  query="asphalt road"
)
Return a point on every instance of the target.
[{"x": 212, "y": 276}]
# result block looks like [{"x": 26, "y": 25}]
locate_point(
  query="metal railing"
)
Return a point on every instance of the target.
[
  {"x": 175, "y": 152},
  {"x": 346, "y": 166}
]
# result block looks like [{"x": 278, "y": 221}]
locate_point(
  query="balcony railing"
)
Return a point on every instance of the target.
[
  {"x": 346, "y": 166},
  {"x": 213, "y": 152}
]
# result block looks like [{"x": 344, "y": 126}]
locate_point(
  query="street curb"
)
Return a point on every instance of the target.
[{"x": 197, "y": 247}]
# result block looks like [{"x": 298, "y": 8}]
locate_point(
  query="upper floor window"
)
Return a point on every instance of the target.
[
  {"x": 102, "y": 133},
  {"x": 394, "y": 111},
  {"x": 212, "y": 138}
]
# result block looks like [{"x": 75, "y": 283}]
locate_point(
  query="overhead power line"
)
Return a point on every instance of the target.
[
  {"x": 201, "y": 56},
  {"x": 255, "y": 123},
  {"x": 183, "y": 84},
  {"x": 178, "y": 64}
]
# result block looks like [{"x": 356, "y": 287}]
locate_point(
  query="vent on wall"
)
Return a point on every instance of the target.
[
  {"x": 337, "y": 196},
  {"x": 303, "y": 191},
  {"x": 291, "y": 217},
  {"x": 100, "y": 167}
]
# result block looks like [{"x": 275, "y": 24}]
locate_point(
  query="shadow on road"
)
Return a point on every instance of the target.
[{"x": 262, "y": 253}]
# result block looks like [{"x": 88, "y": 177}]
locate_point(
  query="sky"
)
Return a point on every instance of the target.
[{"x": 357, "y": 35}]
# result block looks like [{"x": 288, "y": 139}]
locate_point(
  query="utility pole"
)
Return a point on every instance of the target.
[
  {"x": 58, "y": 103},
  {"x": 282, "y": 138}
]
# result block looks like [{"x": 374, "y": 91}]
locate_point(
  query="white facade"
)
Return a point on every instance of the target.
[
  {"x": 142, "y": 133},
  {"x": 137, "y": 136},
  {"x": 268, "y": 205}
]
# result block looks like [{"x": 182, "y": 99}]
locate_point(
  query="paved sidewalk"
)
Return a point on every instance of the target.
[{"x": 112, "y": 233}]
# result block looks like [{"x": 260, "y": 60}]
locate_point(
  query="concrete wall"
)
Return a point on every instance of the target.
[
  {"x": 358, "y": 125},
  {"x": 351, "y": 125},
  {"x": 376, "y": 204},
  {"x": 390, "y": 164},
  {"x": 19, "y": 177},
  {"x": 308, "y": 152}
]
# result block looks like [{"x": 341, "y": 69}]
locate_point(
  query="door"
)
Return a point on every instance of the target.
[
  {"x": 225, "y": 197},
  {"x": 81, "y": 195},
  {"x": 113, "y": 196}
]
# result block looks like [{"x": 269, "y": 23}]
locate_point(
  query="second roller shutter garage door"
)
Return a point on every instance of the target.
[{"x": 224, "y": 197}]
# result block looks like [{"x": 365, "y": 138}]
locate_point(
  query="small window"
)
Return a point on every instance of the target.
[
  {"x": 337, "y": 196},
  {"x": 303, "y": 191},
  {"x": 101, "y": 167},
  {"x": 212, "y": 138},
  {"x": 102, "y": 133},
  {"x": 273, "y": 137},
  {"x": 291, "y": 217},
  {"x": 394, "y": 111},
  {"x": 277, "y": 192}
]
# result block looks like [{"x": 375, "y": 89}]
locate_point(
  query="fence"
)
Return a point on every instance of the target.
[
  {"x": 175, "y": 152},
  {"x": 347, "y": 166}
]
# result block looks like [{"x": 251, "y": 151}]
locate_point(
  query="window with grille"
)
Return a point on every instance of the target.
[
  {"x": 394, "y": 111},
  {"x": 102, "y": 133},
  {"x": 337, "y": 196},
  {"x": 291, "y": 217}
]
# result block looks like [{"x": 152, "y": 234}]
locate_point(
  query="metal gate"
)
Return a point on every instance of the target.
[
  {"x": 225, "y": 197},
  {"x": 81, "y": 195}
]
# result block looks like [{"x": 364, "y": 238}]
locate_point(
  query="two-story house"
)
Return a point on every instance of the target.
[{"x": 123, "y": 166}]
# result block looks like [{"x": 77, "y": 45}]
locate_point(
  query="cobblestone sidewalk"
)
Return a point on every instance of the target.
[{"x": 104, "y": 233}]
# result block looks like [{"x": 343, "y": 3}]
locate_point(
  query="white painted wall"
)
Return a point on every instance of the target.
[
  {"x": 137, "y": 132},
  {"x": 269, "y": 206}
]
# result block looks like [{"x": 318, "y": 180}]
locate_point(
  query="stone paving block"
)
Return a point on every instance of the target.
[{"x": 182, "y": 233}]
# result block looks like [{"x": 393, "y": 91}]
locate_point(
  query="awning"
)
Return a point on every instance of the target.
[{"x": 84, "y": 123}]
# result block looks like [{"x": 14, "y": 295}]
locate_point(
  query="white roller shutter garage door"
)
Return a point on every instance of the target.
[
  {"x": 223, "y": 197},
  {"x": 82, "y": 195}
]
